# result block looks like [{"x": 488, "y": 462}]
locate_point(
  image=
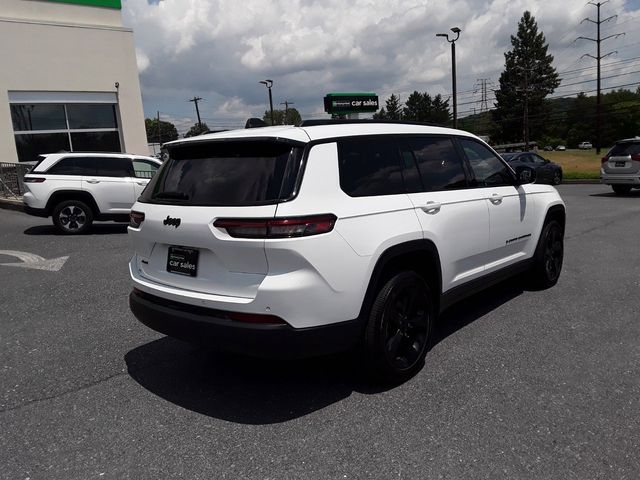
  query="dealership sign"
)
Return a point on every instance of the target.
[
  {"x": 94, "y": 3},
  {"x": 344, "y": 103}
]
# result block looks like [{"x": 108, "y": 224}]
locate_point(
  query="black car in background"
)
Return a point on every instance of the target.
[{"x": 546, "y": 171}]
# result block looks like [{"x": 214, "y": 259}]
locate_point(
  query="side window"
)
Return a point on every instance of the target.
[
  {"x": 537, "y": 160},
  {"x": 73, "y": 166},
  {"x": 114, "y": 167},
  {"x": 439, "y": 164},
  {"x": 487, "y": 168},
  {"x": 66, "y": 166},
  {"x": 144, "y": 168},
  {"x": 369, "y": 166}
]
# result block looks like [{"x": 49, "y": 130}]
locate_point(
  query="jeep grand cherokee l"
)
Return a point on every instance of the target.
[{"x": 326, "y": 237}]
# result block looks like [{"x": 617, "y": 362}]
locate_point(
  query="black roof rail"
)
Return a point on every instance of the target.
[{"x": 339, "y": 121}]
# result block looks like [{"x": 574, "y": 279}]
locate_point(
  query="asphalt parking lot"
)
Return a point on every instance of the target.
[{"x": 520, "y": 384}]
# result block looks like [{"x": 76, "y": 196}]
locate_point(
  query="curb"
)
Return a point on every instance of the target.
[
  {"x": 581, "y": 181},
  {"x": 11, "y": 204}
]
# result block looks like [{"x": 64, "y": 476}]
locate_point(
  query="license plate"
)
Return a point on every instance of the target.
[
  {"x": 620, "y": 164},
  {"x": 183, "y": 261}
]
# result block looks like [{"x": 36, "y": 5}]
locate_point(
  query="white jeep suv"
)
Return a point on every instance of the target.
[
  {"x": 77, "y": 188},
  {"x": 295, "y": 241}
]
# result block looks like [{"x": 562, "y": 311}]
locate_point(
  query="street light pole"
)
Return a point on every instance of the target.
[
  {"x": 269, "y": 83},
  {"x": 457, "y": 31}
]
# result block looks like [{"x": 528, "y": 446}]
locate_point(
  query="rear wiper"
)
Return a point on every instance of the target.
[{"x": 170, "y": 194}]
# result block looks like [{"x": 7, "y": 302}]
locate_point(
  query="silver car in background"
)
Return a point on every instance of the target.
[{"x": 621, "y": 166}]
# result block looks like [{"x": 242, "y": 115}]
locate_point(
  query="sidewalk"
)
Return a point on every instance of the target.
[{"x": 11, "y": 203}]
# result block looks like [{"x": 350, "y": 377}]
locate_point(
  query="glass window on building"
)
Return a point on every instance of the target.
[{"x": 52, "y": 128}]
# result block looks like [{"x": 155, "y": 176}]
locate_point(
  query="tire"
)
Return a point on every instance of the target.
[
  {"x": 549, "y": 256},
  {"x": 399, "y": 328},
  {"x": 621, "y": 189},
  {"x": 72, "y": 217},
  {"x": 557, "y": 178}
]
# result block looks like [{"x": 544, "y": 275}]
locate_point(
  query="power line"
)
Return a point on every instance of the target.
[{"x": 598, "y": 40}]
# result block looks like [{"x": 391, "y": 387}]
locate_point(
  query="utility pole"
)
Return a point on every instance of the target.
[
  {"x": 159, "y": 134},
  {"x": 196, "y": 100},
  {"x": 599, "y": 57},
  {"x": 286, "y": 104},
  {"x": 525, "y": 107}
]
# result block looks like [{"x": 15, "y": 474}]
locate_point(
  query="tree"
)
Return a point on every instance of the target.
[
  {"x": 420, "y": 107},
  {"x": 527, "y": 79},
  {"x": 417, "y": 107},
  {"x": 440, "y": 111},
  {"x": 293, "y": 117},
  {"x": 381, "y": 115},
  {"x": 167, "y": 132},
  {"x": 393, "y": 110},
  {"x": 197, "y": 129}
]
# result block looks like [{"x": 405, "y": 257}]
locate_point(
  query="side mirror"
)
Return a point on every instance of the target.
[{"x": 525, "y": 175}]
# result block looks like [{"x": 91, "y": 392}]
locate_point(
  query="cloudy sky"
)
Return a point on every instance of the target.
[{"x": 220, "y": 49}]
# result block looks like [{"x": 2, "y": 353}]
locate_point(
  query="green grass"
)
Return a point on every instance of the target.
[{"x": 577, "y": 164}]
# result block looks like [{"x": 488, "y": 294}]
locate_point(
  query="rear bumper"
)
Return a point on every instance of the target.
[
  {"x": 210, "y": 327},
  {"x": 620, "y": 179}
]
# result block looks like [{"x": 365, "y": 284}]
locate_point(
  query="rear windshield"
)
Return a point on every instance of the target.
[
  {"x": 226, "y": 173},
  {"x": 624, "y": 149}
]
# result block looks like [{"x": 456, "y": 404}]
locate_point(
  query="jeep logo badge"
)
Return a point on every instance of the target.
[{"x": 172, "y": 221}]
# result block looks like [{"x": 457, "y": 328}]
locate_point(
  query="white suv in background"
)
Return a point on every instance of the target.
[
  {"x": 77, "y": 188},
  {"x": 296, "y": 241}
]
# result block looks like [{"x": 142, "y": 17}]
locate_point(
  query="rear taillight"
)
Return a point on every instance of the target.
[
  {"x": 604, "y": 160},
  {"x": 636, "y": 157},
  {"x": 136, "y": 219},
  {"x": 34, "y": 179},
  {"x": 277, "y": 227}
]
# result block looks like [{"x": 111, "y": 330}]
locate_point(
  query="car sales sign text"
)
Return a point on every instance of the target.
[{"x": 340, "y": 103}]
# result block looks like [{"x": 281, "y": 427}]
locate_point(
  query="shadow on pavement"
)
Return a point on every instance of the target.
[
  {"x": 258, "y": 391},
  {"x": 631, "y": 194},
  {"x": 96, "y": 229}
]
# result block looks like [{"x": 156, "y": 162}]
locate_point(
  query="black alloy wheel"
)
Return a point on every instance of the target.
[
  {"x": 399, "y": 329},
  {"x": 557, "y": 177},
  {"x": 549, "y": 255},
  {"x": 553, "y": 252}
]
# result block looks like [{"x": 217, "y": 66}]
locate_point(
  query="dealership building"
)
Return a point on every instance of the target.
[{"x": 69, "y": 80}]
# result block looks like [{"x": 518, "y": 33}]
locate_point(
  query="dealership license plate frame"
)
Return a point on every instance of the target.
[{"x": 184, "y": 256}]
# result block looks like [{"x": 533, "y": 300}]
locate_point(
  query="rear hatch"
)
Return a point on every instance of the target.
[
  {"x": 623, "y": 159},
  {"x": 177, "y": 243}
]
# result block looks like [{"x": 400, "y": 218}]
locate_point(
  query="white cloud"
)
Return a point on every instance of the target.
[
  {"x": 220, "y": 49},
  {"x": 142, "y": 60}
]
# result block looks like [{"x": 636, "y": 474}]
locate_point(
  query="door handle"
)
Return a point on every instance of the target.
[
  {"x": 141, "y": 183},
  {"x": 431, "y": 208},
  {"x": 93, "y": 181},
  {"x": 496, "y": 199}
]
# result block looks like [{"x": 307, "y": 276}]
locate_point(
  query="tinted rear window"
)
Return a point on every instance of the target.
[
  {"x": 369, "y": 167},
  {"x": 226, "y": 173},
  {"x": 93, "y": 166},
  {"x": 73, "y": 166},
  {"x": 440, "y": 166},
  {"x": 624, "y": 149}
]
